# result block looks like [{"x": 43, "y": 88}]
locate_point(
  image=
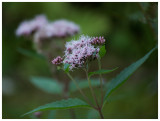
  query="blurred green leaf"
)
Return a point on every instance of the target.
[
  {"x": 93, "y": 114},
  {"x": 58, "y": 67},
  {"x": 102, "y": 51},
  {"x": 83, "y": 84},
  {"x": 137, "y": 16},
  {"x": 30, "y": 53},
  {"x": 125, "y": 74},
  {"x": 52, "y": 114},
  {"x": 66, "y": 67},
  {"x": 115, "y": 98},
  {"x": 47, "y": 85},
  {"x": 100, "y": 72},
  {"x": 144, "y": 5},
  {"x": 62, "y": 104}
]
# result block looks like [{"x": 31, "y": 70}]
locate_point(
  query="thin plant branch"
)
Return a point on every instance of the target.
[
  {"x": 85, "y": 97},
  {"x": 101, "y": 82},
  {"x": 94, "y": 96}
]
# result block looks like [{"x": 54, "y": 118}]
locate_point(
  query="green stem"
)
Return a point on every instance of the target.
[
  {"x": 101, "y": 82},
  {"x": 86, "y": 98},
  {"x": 90, "y": 86},
  {"x": 99, "y": 108},
  {"x": 66, "y": 96},
  {"x": 72, "y": 112},
  {"x": 100, "y": 113}
]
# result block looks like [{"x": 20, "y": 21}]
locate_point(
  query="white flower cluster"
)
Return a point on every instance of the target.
[{"x": 79, "y": 52}]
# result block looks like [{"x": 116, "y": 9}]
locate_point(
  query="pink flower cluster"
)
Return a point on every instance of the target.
[
  {"x": 79, "y": 52},
  {"x": 43, "y": 29},
  {"x": 28, "y": 27},
  {"x": 58, "y": 29},
  {"x": 57, "y": 61},
  {"x": 98, "y": 41}
]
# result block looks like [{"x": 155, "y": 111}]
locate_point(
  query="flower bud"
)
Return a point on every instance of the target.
[
  {"x": 57, "y": 61},
  {"x": 98, "y": 41}
]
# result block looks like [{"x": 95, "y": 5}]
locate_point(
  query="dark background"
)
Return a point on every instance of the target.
[{"x": 130, "y": 30}]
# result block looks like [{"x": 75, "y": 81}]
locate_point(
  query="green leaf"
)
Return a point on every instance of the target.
[
  {"x": 66, "y": 67},
  {"x": 83, "y": 84},
  {"x": 62, "y": 104},
  {"x": 102, "y": 51},
  {"x": 125, "y": 74},
  {"x": 100, "y": 72},
  {"x": 30, "y": 53},
  {"x": 47, "y": 85}
]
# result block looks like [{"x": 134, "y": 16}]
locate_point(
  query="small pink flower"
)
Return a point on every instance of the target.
[{"x": 57, "y": 61}]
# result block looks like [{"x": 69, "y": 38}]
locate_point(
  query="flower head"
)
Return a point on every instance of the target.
[
  {"x": 65, "y": 28},
  {"x": 57, "y": 61},
  {"x": 28, "y": 27},
  {"x": 98, "y": 40},
  {"x": 79, "y": 52},
  {"x": 58, "y": 29}
]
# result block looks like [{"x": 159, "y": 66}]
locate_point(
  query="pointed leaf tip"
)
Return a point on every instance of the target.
[{"x": 125, "y": 74}]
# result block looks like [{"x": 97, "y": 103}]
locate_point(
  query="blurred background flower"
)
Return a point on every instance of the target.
[{"x": 130, "y": 30}]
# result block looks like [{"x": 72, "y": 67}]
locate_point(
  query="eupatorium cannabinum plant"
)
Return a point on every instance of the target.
[{"x": 78, "y": 54}]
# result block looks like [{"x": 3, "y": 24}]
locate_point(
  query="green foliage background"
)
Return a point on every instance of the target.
[{"x": 129, "y": 37}]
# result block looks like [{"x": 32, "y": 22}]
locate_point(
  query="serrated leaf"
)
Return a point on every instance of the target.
[
  {"x": 125, "y": 74},
  {"x": 46, "y": 84},
  {"x": 83, "y": 84},
  {"x": 30, "y": 53},
  {"x": 102, "y": 51},
  {"x": 66, "y": 67},
  {"x": 62, "y": 104},
  {"x": 102, "y": 71}
]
